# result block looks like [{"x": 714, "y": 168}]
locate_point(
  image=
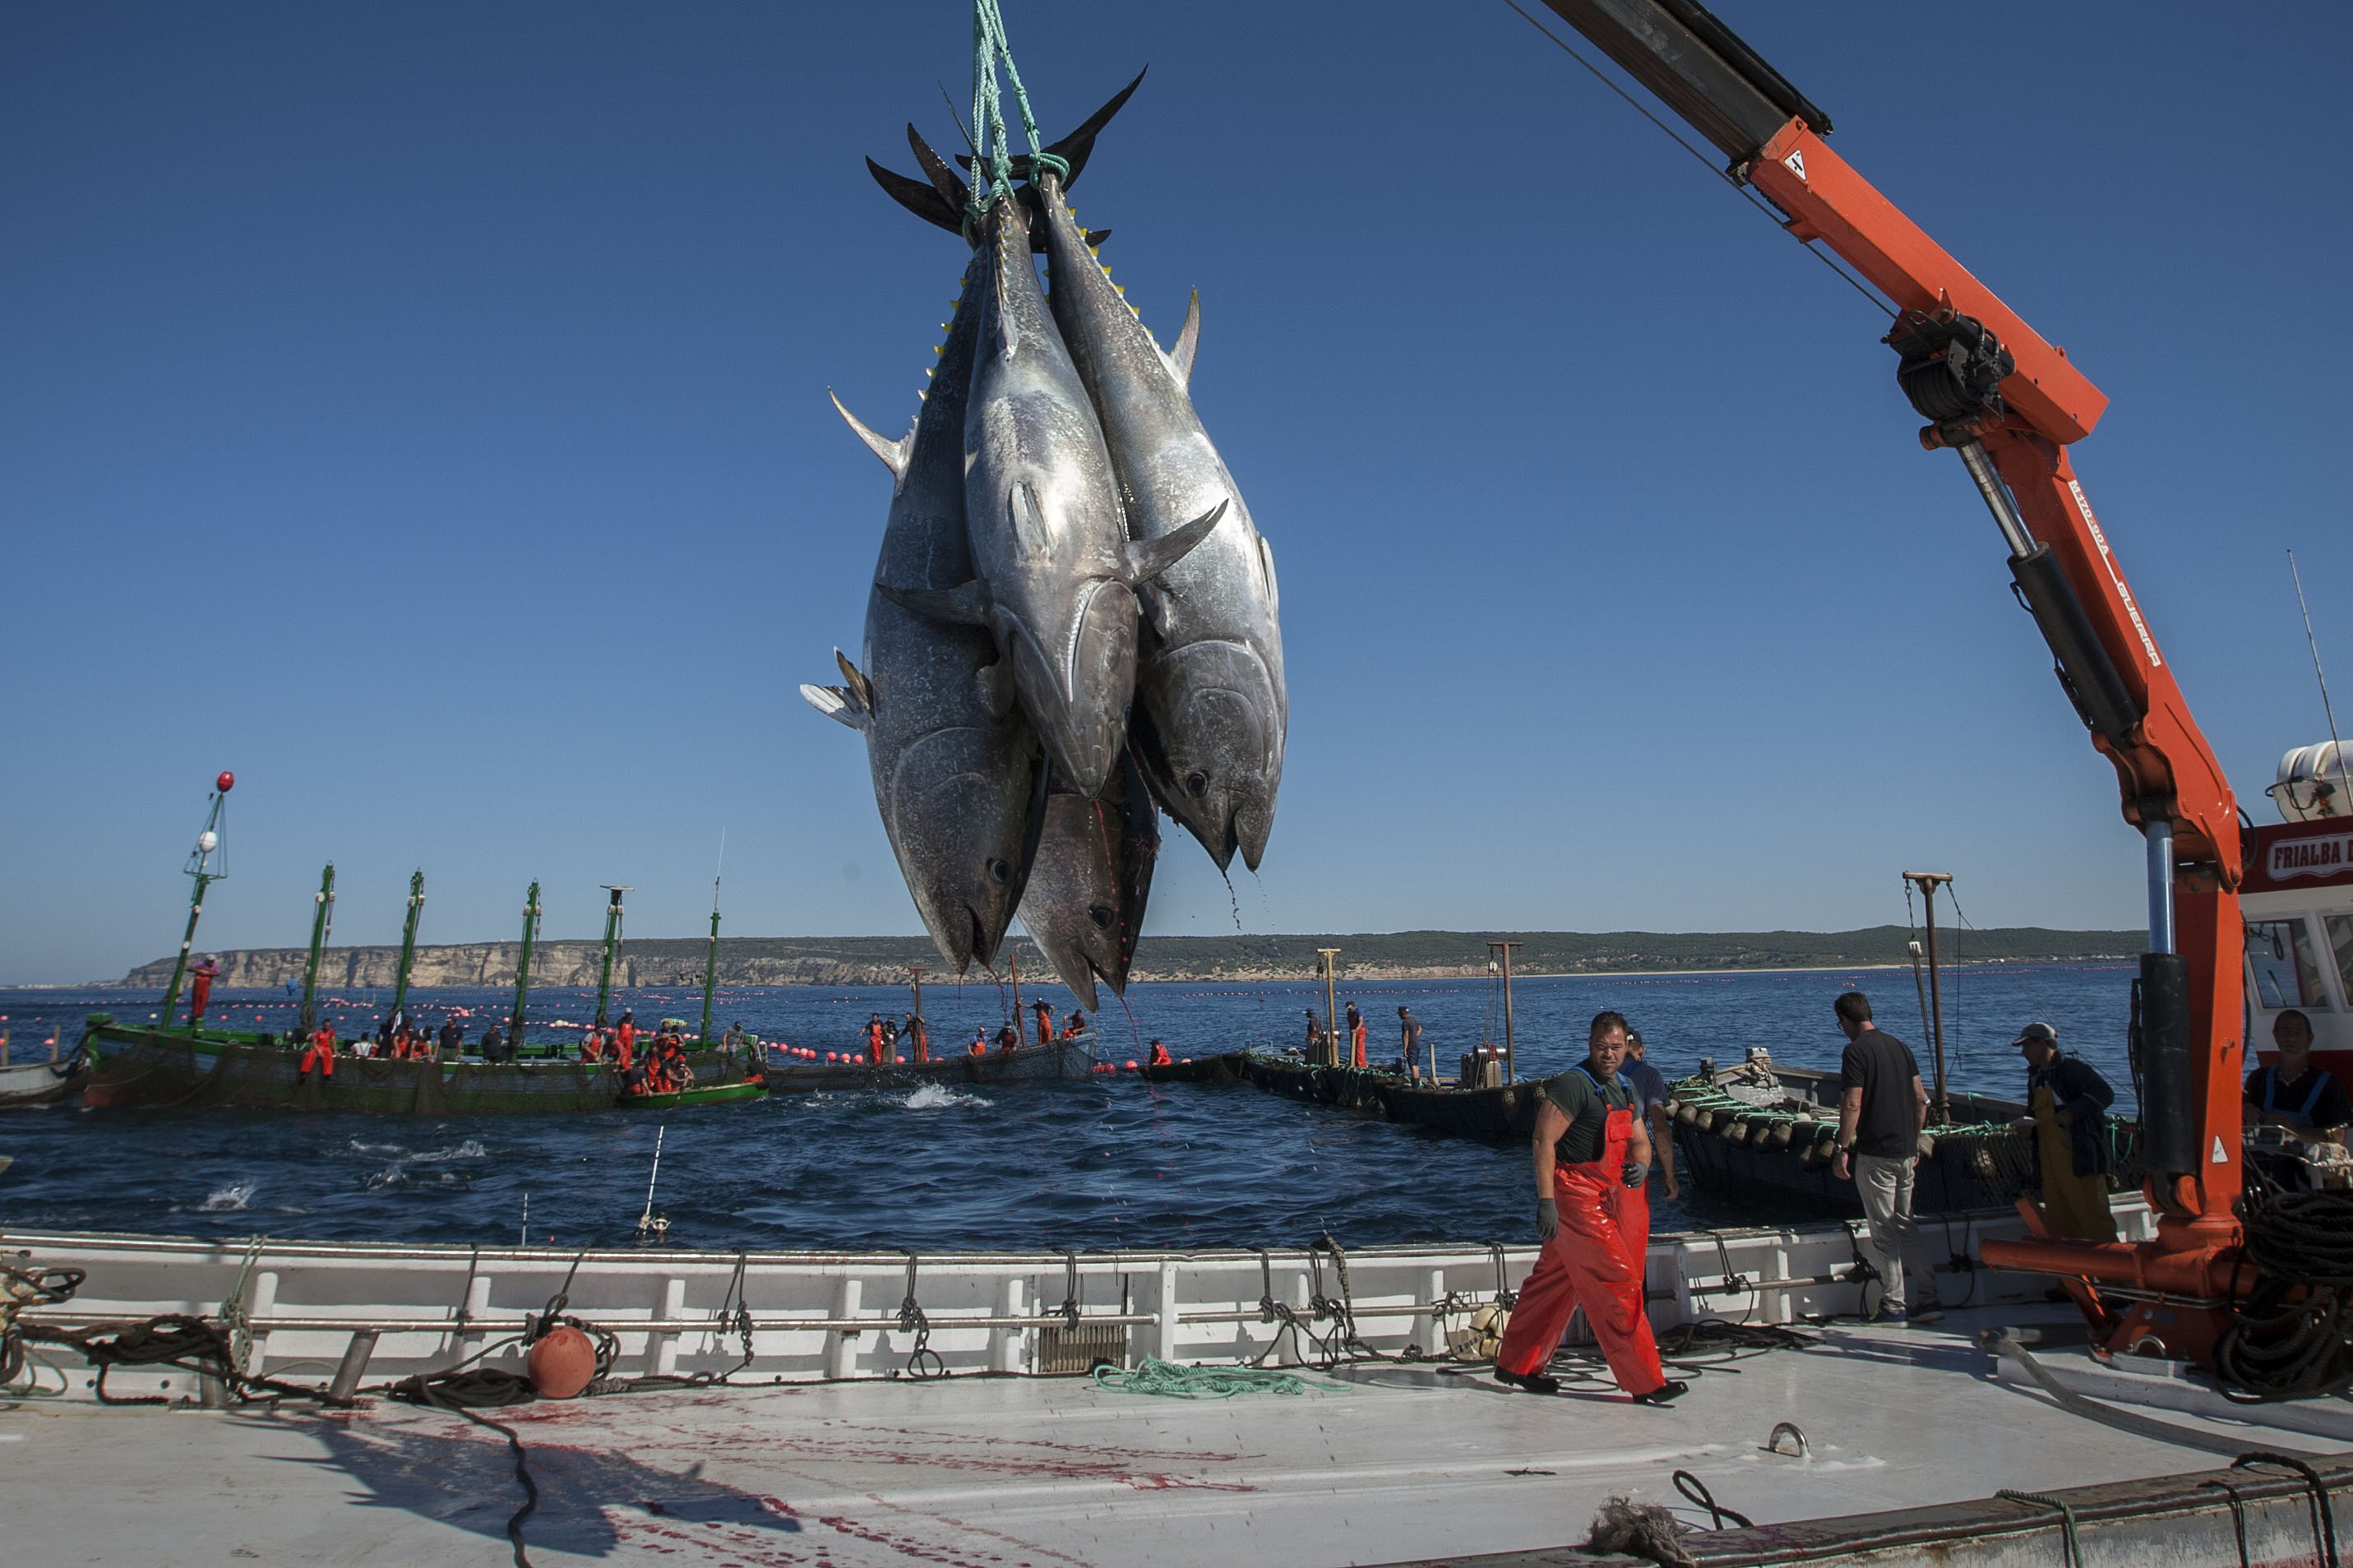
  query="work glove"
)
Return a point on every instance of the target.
[
  {"x": 1547, "y": 1218},
  {"x": 2022, "y": 1127},
  {"x": 1637, "y": 1173}
]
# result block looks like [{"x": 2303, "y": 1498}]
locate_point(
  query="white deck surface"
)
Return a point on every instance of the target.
[{"x": 1377, "y": 1465}]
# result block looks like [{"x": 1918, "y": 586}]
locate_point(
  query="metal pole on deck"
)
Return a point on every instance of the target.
[
  {"x": 1940, "y": 1105},
  {"x": 1013, "y": 964},
  {"x": 1511, "y": 1060},
  {"x": 523, "y": 974},
  {"x": 612, "y": 942},
  {"x": 408, "y": 943},
  {"x": 1331, "y": 1004},
  {"x": 922, "y": 1041},
  {"x": 322, "y": 921}
]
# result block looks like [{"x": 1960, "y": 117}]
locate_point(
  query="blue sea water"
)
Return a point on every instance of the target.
[{"x": 1103, "y": 1162}]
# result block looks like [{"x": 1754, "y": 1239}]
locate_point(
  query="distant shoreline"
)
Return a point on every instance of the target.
[{"x": 255, "y": 971}]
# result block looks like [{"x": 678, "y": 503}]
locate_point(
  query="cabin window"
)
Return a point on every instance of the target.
[
  {"x": 2340, "y": 937},
  {"x": 2286, "y": 971}
]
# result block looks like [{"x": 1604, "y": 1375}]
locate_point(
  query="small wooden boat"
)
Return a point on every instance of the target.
[
  {"x": 1761, "y": 1131},
  {"x": 38, "y": 1083},
  {"x": 699, "y": 1095},
  {"x": 1070, "y": 1058},
  {"x": 148, "y": 1067},
  {"x": 1230, "y": 1068},
  {"x": 1504, "y": 1114}
]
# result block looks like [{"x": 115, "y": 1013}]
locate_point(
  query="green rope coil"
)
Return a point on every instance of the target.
[{"x": 1170, "y": 1380}]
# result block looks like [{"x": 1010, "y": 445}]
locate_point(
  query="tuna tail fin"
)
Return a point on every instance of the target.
[
  {"x": 963, "y": 606},
  {"x": 1077, "y": 147},
  {"x": 918, "y": 199},
  {"x": 950, "y": 190},
  {"x": 892, "y": 453},
  {"x": 836, "y": 702},
  {"x": 1147, "y": 558},
  {"x": 1189, "y": 341}
]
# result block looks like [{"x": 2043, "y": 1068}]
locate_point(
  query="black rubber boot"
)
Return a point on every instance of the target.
[
  {"x": 1535, "y": 1382},
  {"x": 1666, "y": 1392}
]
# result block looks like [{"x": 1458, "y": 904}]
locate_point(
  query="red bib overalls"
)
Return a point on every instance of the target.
[{"x": 1585, "y": 1265}]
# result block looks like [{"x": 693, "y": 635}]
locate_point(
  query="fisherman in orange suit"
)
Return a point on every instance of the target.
[
  {"x": 1045, "y": 1021},
  {"x": 1355, "y": 1035},
  {"x": 874, "y": 1038},
  {"x": 623, "y": 1042},
  {"x": 1075, "y": 1025},
  {"x": 319, "y": 1053},
  {"x": 1588, "y": 1145},
  {"x": 200, "y": 990},
  {"x": 1160, "y": 1057}
]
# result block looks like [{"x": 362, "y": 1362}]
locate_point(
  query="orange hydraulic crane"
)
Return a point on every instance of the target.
[{"x": 2009, "y": 404}]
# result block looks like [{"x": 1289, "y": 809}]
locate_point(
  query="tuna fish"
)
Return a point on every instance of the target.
[
  {"x": 1211, "y": 712},
  {"x": 1055, "y": 571},
  {"x": 1094, "y": 873},
  {"x": 957, "y": 771}
]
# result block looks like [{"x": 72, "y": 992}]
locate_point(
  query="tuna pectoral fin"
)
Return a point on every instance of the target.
[
  {"x": 1147, "y": 558},
  {"x": 1187, "y": 342},
  {"x": 892, "y": 453},
  {"x": 1077, "y": 147},
  {"x": 996, "y": 689},
  {"x": 965, "y": 606},
  {"x": 836, "y": 702},
  {"x": 918, "y": 199}
]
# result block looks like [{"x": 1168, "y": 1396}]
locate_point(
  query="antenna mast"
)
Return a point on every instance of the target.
[{"x": 2319, "y": 673}]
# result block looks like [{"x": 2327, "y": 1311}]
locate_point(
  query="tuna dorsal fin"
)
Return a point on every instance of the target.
[
  {"x": 918, "y": 199},
  {"x": 835, "y": 702},
  {"x": 892, "y": 453},
  {"x": 1187, "y": 340},
  {"x": 1147, "y": 558},
  {"x": 963, "y": 606}
]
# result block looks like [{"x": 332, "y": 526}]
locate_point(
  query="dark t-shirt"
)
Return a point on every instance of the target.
[
  {"x": 1648, "y": 1084},
  {"x": 1586, "y": 1105},
  {"x": 1882, "y": 1067},
  {"x": 2287, "y": 1096}
]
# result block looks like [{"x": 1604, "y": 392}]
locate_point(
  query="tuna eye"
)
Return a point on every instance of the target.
[
  {"x": 1196, "y": 785},
  {"x": 999, "y": 872},
  {"x": 1101, "y": 914}
]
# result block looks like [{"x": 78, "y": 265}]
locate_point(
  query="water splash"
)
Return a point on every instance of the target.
[
  {"x": 229, "y": 1198},
  {"x": 939, "y": 1096}
]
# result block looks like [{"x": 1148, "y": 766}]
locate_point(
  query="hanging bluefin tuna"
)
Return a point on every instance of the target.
[
  {"x": 1211, "y": 712},
  {"x": 957, "y": 772},
  {"x": 1094, "y": 874}
]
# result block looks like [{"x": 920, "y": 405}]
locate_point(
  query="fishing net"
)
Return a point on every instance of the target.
[{"x": 1170, "y": 1380}]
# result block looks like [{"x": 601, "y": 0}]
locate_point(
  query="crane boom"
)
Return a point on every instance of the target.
[{"x": 2010, "y": 403}]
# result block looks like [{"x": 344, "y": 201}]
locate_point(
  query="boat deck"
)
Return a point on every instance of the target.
[{"x": 1378, "y": 1464}]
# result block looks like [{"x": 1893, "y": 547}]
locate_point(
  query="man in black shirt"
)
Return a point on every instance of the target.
[
  {"x": 1881, "y": 1113},
  {"x": 1588, "y": 1145},
  {"x": 2306, "y": 1100}
]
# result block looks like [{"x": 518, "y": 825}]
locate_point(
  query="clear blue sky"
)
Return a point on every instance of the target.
[{"x": 420, "y": 410}]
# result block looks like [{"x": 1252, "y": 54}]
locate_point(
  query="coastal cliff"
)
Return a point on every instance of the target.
[{"x": 1399, "y": 955}]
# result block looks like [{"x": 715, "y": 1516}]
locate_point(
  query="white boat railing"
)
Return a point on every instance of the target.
[{"x": 780, "y": 1316}]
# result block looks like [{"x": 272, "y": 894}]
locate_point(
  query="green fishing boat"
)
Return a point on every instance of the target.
[{"x": 175, "y": 1063}]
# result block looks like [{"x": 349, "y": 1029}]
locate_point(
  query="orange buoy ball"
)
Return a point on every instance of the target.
[
  {"x": 1131, "y": 1066},
  {"x": 226, "y": 782},
  {"x": 903, "y": 1060},
  {"x": 561, "y": 1363}
]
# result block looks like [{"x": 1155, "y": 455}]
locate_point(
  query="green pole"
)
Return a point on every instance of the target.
[
  {"x": 408, "y": 941},
  {"x": 710, "y": 977},
  {"x": 322, "y": 920},
  {"x": 612, "y": 941},
  {"x": 199, "y": 867},
  {"x": 523, "y": 969}
]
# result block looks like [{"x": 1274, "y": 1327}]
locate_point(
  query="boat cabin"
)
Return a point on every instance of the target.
[{"x": 2297, "y": 902}]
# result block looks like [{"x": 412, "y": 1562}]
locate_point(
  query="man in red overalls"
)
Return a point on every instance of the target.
[
  {"x": 319, "y": 1054},
  {"x": 1588, "y": 1145},
  {"x": 200, "y": 990},
  {"x": 1045, "y": 1021}
]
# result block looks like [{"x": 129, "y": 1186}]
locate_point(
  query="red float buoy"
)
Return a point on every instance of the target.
[
  {"x": 226, "y": 782},
  {"x": 561, "y": 1363}
]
